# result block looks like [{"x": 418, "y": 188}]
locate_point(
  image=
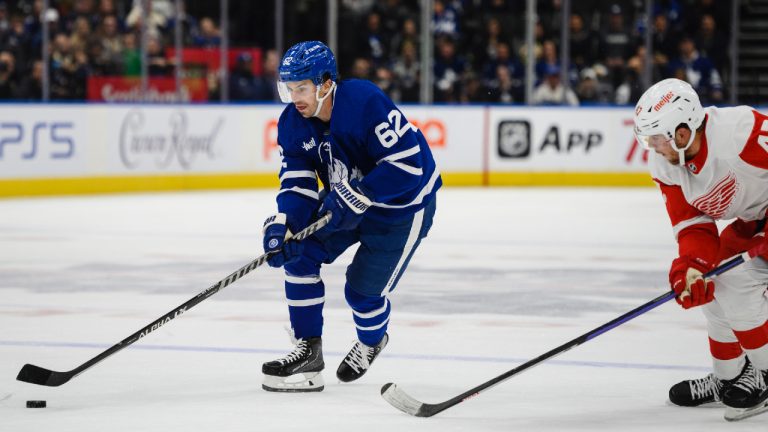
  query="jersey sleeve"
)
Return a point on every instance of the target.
[
  {"x": 696, "y": 233},
  {"x": 396, "y": 147},
  {"x": 298, "y": 197}
]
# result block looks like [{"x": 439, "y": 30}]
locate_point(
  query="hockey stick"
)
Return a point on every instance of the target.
[
  {"x": 409, "y": 405},
  {"x": 37, "y": 375}
]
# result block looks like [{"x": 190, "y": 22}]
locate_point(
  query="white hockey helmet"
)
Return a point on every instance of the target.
[{"x": 665, "y": 106}]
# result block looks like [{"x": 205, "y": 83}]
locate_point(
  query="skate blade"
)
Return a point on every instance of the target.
[
  {"x": 706, "y": 405},
  {"x": 736, "y": 414},
  {"x": 297, "y": 383}
]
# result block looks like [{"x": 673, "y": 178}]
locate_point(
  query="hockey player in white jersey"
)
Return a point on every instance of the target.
[{"x": 712, "y": 164}]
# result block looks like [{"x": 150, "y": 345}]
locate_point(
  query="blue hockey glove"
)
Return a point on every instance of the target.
[
  {"x": 275, "y": 235},
  {"x": 347, "y": 204}
]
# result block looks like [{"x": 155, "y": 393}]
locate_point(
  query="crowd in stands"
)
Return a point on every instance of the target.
[
  {"x": 479, "y": 54},
  {"x": 92, "y": 38},
  {"x": 479, "y": 48}
]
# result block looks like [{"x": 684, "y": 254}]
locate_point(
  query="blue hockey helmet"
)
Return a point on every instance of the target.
[{"x": 311, "y": 60}]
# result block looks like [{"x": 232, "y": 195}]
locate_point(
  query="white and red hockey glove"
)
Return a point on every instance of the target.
[{"x": 685, "y": 277}]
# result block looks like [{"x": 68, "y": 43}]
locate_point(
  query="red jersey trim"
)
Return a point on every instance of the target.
[
  {"x": 696, "y": 164},
  {"x": 755, "y": 151}
]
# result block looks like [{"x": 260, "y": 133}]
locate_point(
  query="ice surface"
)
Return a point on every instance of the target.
[{"x": 506, "y": 275}]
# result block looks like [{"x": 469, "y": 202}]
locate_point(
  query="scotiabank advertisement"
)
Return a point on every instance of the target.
[{"x": 128, "y": 89}]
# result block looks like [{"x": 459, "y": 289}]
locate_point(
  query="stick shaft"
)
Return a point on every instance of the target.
[
  {"x": 37, "y": 375},
  {"x": 406, "y": 403}
]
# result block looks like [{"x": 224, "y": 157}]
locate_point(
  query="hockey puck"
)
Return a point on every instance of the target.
[{"x": 36, "y": 404}]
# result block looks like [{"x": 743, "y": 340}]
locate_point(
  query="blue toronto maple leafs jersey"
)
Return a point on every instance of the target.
[{"x": 367, "y": 139}]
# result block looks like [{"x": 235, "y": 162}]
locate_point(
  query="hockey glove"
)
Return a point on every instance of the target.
[
  {"x": 686, "y": 280},
  {"x": 275, "y": 235},
  {"x": 347, "y": 204}
]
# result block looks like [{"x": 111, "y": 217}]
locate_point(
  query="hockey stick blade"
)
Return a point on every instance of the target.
[
  {"x": 409, "y": 405},
  {"x": 36, "y": 375},
  {"x": 41, "y": 376}
]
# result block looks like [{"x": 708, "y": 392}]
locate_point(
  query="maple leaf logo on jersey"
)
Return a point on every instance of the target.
[{"x": 715, "y": 203}]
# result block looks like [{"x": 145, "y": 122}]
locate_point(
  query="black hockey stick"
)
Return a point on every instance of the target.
[
  {"x": 37, "y": 375},
  {"x": 409, "y": 405}
]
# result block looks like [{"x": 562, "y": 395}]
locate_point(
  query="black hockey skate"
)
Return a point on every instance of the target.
[
  {"x": 748, "y": 396},
  {"x": 299, "y": 371},
  {"x": 701, "y": 391},
  {"x": 359, "y": 360}
]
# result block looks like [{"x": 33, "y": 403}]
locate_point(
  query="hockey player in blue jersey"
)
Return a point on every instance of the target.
[{"x": 379, "y": 182}]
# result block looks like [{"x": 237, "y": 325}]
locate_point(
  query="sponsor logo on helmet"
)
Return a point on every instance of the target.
[
  {"x": 638, "y": 109},
  {"x": 311, "y": 49},
  {"x": 664, "y": 99},
  {"x": 287, "y": 60}
]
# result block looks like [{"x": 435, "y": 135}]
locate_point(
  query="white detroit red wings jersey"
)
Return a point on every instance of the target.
[{"x": 727, "y": 179}]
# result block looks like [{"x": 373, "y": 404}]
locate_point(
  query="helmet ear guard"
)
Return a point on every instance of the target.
[{"x": 663, "y": 108}]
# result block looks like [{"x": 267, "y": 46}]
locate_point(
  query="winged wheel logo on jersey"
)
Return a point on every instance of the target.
[{"x": 715, "y": 203}]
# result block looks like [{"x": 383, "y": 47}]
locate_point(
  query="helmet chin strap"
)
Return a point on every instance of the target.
[
  {"x": 681, "y": 151},
  {"x": 321, "y": 100}
]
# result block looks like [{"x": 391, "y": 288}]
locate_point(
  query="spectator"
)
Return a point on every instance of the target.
[
  {"x": 209, "y": 36},
  {"x": 629, "y": 92},
  {"x": 5, "y": 23},
  {"x": 552, "y": 92},
  {"x": 31, "y": 87},
  {"x": 81, "y": 34},
  {"x": 63, "y": 67},
  {"x": 106, "y": 9},
  {"x": 484, "y": 50},
  {"x": 82, "y": 9},
  {"x": 449, "y": 69},
  {"x": 514, "y": 72},
  {"x": 591, "y": 89},
  {"x": 616, "y": 44},
  {"x": 189, "y": 25},
  {"x": 268, "y": 80},
  {"x": 8, "y": 77},
  {"x": 665, "y": 40},
  {"x": 445, "y": 20},
  {"x": 157, "y": 16},
  {"x": 243, "y": 85},
  {"x": 711, "y": 42},
  {"x": 15, "y": 40},
  {"x": 502, "y": 89},
  {"x": 472, "y": 89},
  {"x": 409, "y": 34},
  {"x": 159, "y": 65},
  {"x": 385, "y": 80},
  {"x": 699, "y": 72},
  {"x": 407, "y": 71},
  {"x": 582, "y": 43},
  {"x": 110, "y": 58},
  {"x": 131, "y": 56},
  {"x": 374, "y": 44},
  {"x": 393, "y": 14},
  {"x": 361, "y": 68}
]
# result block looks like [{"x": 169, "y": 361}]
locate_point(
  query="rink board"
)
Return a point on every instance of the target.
[{"x": 76, "y": 148}]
